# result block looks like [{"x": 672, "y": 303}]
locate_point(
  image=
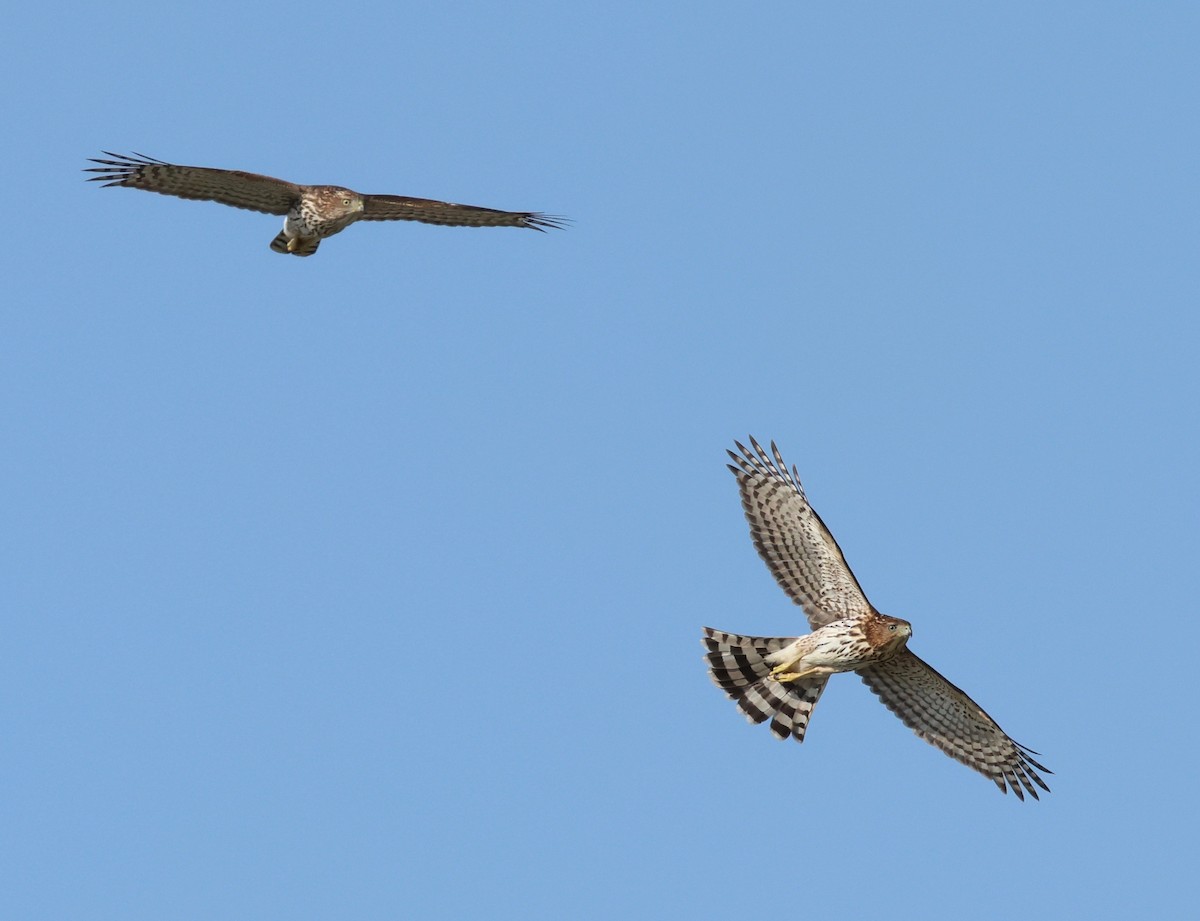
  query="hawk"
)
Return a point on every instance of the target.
[
  {"x": 781, "y": 678},
  {"x": 311, "y": 212}
]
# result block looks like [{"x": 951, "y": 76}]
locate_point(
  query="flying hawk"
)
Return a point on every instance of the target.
[
  {"x": 781, "y": 678},
  {"x": 312, "y": 212}
]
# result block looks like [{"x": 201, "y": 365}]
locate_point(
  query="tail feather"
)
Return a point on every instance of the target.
[
  {"x": 738, "y": 667},
  {"x": 303, "y": 246}
]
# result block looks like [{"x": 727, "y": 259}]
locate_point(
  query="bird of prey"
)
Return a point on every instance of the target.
[
  {"x": 781, "y": 678},
  {"x": 311, "y": 212}
]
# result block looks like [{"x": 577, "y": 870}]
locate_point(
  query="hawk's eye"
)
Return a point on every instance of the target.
[
  {"x": 891, "y": 628},
  {"x": 345, "y": 201}
]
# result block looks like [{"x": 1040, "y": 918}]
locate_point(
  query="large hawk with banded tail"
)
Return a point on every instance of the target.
[{"x": 780, "y": 679}]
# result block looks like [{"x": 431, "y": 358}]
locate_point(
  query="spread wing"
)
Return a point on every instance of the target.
[
  {"x": 793, "y": 541},
  {"x": 403, "y": 208},
  {"x": 944, "y": 716},
  {"x": 227, "y": 186}
]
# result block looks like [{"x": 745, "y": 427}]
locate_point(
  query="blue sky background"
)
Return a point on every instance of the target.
[{"x": 370, "y": 585}]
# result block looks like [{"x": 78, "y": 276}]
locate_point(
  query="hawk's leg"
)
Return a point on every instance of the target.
[{"x": 780, "y": 672}]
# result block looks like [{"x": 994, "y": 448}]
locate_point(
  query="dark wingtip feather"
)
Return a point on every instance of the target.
[
  {"x": 122, "y": 166},
  {"x": 543, "y": 222},
  {"x": 740, "y": 466}
]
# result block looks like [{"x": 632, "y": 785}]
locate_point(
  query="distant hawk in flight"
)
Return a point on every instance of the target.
[
  {"x": 781, "y": 678},
  {"x": 312, "y": 212}
]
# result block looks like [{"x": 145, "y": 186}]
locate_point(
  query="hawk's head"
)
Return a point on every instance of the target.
[
  {"x": 337, "y": 204},
  {"x": 887, "y": 634}
]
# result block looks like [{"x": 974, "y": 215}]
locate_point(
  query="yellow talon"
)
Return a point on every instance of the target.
[{"x": 781, "y": 673}]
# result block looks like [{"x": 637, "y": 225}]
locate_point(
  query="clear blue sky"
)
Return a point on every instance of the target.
[{"x": 370, "y": 585}]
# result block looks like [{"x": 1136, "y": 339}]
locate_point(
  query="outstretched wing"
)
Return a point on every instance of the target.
[
  {"x": 403, "y": 208},
  {"x": 792, "y": 540},
  {"x": 226, "y": 186},
  {"x": 944, "y": 716}
]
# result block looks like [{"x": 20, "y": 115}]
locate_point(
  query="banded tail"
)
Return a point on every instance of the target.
[
  {"x": 738, "y": 666},
  {"x": 297, "y": 246}
]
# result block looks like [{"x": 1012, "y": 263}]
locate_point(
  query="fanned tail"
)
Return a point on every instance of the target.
[{"x": 737, "y": 666}]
